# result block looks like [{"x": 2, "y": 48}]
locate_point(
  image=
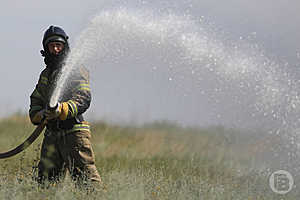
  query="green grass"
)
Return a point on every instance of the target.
[{"x": 155, "y": 161}]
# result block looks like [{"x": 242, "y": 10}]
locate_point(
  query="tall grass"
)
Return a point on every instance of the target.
[{"x": 155, "y": 161}]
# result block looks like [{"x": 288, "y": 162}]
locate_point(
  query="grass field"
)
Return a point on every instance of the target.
[{"x": 155, "y": 161}]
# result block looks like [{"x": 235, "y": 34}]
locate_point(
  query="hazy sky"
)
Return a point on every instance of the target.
[{"x": 276, "y": 24}]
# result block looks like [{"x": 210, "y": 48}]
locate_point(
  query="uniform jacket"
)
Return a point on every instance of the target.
[{"x": 76, "y": 97}]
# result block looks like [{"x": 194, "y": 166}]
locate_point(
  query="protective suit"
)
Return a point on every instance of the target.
[{"x": 66, "y": 145}]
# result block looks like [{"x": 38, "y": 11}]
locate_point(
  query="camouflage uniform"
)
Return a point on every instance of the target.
[{"x": 66, "y": 144}]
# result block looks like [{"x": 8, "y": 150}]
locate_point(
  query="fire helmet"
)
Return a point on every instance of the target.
[{"x": 54, "y": 34}]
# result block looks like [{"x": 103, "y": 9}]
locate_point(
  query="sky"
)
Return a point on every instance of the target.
[{"x": 275, "y": 24}]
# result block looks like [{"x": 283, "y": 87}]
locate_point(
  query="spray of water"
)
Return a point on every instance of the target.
[{"x": 197, "y": 75}]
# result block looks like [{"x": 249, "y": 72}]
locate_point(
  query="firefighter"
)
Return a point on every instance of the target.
[{"x": 66, "y": 144}]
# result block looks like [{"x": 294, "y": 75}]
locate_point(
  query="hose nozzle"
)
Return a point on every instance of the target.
[{"x": 52, "y": 106}]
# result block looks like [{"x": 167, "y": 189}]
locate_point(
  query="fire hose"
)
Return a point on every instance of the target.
[
  {"x": 30, "y": 139},
  {"x": 26, "y": 143}
]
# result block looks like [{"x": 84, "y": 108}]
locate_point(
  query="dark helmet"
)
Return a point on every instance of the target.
[{"x": 54, "y": 34}]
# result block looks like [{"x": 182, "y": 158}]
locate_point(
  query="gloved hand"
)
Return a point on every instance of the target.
[
  {"x": 61, "y": 111},
  {"x": 39, "y": 116},
  {"x": 53, "y": 113}
]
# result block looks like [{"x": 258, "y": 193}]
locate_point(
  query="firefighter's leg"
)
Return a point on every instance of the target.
[
  {"x": 79, "y": 155},
  {"x": 51, "y": 166}
]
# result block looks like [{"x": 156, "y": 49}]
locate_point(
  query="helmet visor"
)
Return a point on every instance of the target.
[{"x": 54, "y": 38}]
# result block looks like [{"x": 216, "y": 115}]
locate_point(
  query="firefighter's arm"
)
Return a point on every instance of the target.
[
  {"x": 36, "y": 107},
  {"x": 37, "y": 100},
  {"x": 80, "y": 98}
]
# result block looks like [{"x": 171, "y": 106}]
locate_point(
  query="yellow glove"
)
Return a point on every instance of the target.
[
  {"x": 60, "y": 112},
  {"x": 64, "y": 111}
]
